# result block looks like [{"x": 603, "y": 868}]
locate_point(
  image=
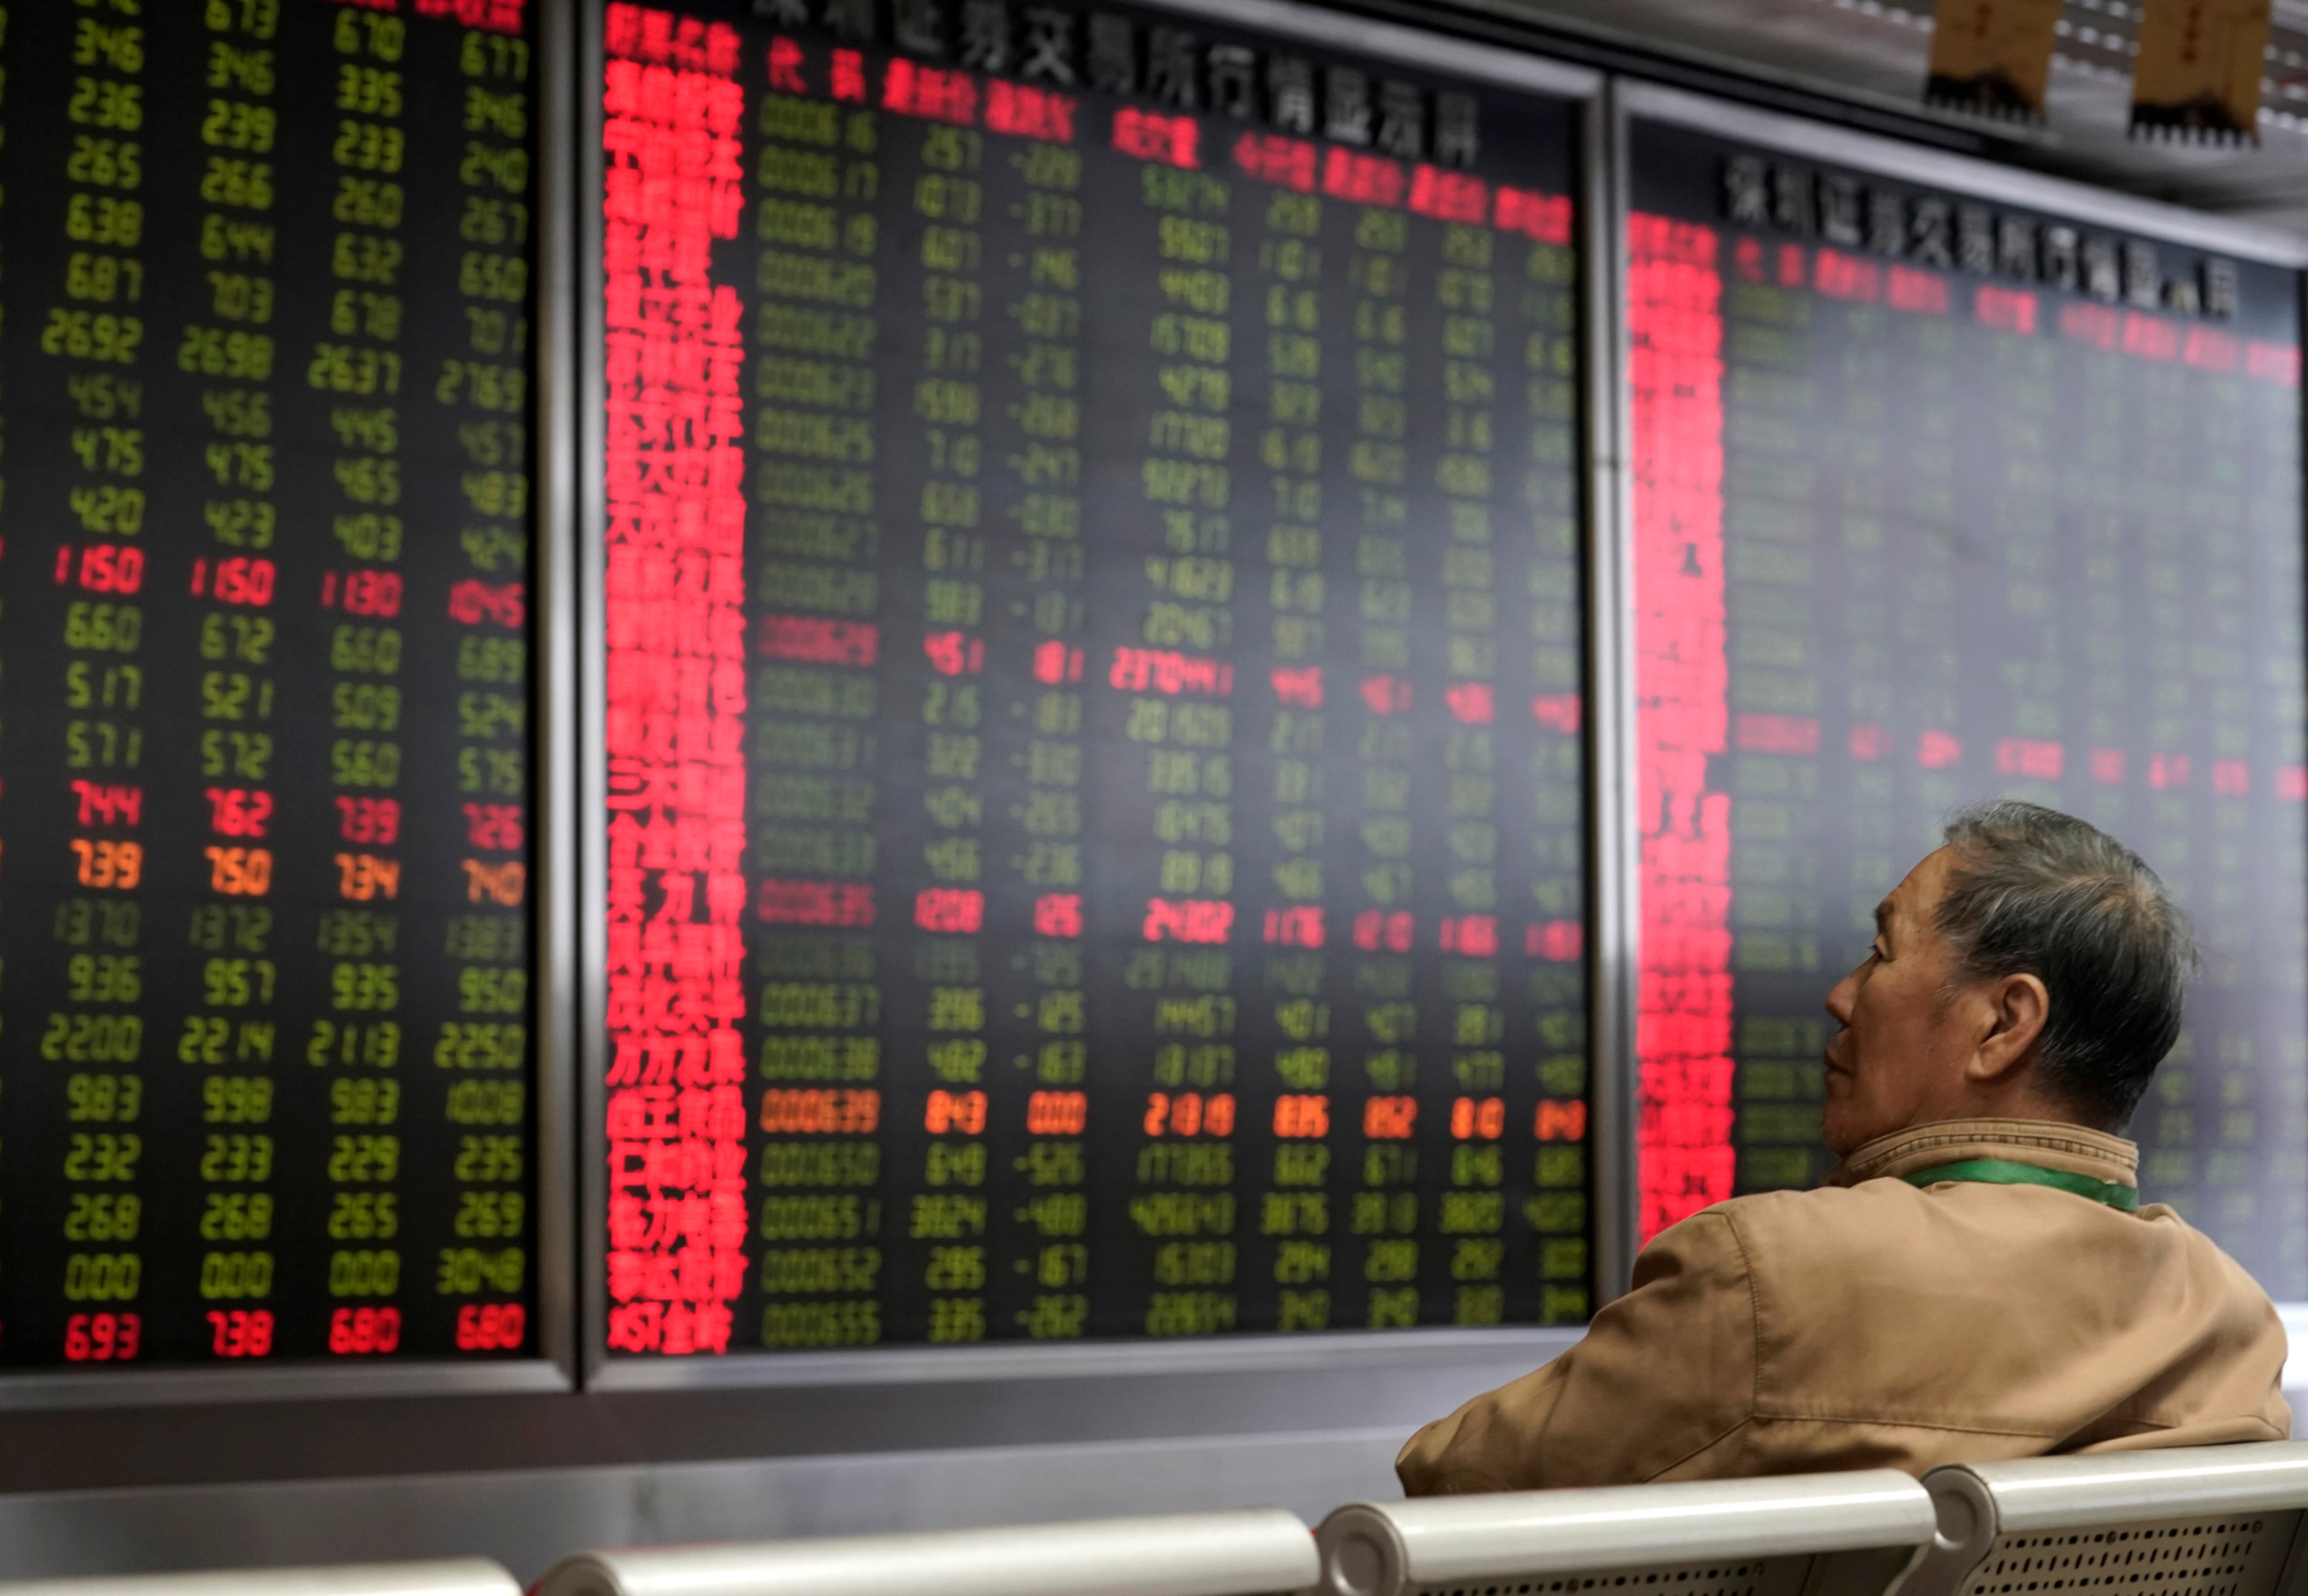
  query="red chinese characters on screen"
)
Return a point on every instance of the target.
[
  {"x": 674, "y": 596},
  {"x": 1682, "y": 1039}
]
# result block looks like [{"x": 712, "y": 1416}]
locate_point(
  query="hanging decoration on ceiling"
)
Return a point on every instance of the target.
[
  {"x": 1992, "y": 57},
  {"x": 2198, "y": 75}
]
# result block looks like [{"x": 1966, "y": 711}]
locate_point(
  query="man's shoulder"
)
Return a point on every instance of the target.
[
  {"x": 1768, "y": 1229},
  {"x": 1807, "y": 1210},
  {"x": 1820, "y": 1221},
  {"x": 1854, "y": 1234},
  {"x": 1845, "y": 1231},
  {"x": 1867, "y": 1301}
]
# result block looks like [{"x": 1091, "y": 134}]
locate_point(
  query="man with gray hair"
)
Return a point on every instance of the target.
[{"x": 1976, "y": 1280}]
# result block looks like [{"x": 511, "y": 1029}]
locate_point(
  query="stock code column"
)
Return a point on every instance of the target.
[
  {"x": 1159, "y": 816},
  {"x": 263, "y": 776}
]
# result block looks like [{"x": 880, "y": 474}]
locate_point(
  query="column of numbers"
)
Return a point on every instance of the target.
[
  {"x": 949, "y": 205},
  {"x": 2231, "y": 1211},
  {"x": 1774, "y": 641},
  {"x": 1185, "y": 726},
  {"x": 481, "y": 1263},
  {"x": 1047, "y": 552},
  {"x": 231, "y": 350},
  {"x": 1558, "y": 1209},
  {"x": 94, "y": 331},
  {"x": 2272, "y": 572},
  {"x": 1772, "y": 644},
  {"x": 1294, "y": 1211},
  {"x": 1386, "y": 1209},
  {"x": 1470, "y": 1218},
  {"x": 821, "y": 1061},
  {"x": 355, "y": 369}
]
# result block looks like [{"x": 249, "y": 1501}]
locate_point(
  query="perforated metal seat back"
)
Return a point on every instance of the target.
[
  {"x": 2231, "y": 1554},
  {"x": 1746, "y": 1577}
]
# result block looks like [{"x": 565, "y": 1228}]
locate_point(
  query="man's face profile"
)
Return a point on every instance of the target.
[
  {"x": 1899, "y": 1047},
  {"x": 1923, "y": 1039}
]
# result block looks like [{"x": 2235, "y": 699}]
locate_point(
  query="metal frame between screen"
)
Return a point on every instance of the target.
[
  {"x": 1612, "y": 1131},
  {"x": 1633, "y": 100},
  {"x": 553, "y": 881}
]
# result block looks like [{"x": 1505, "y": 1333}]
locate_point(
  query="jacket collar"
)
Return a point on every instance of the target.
[{"x": 2041, "y": 1142}]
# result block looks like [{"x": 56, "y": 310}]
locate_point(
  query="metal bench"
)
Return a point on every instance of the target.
[
  {"x": 2196, "y": 1520},
  {"x": 1261, "y": 1551},
  {"x": 459, "y": 1576},
  {"x": 1851, "y": 1534}
]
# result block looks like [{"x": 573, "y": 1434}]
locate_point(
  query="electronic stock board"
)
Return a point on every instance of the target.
[
  {"x": 1092, "y": 703},
  {"x": 264, "y": 682},
  {"x": 1942, "y": 494},
  {"x": 1092, "y": 721}
]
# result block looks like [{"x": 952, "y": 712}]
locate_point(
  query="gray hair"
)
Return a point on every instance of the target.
[{"x": 2039, "y": 892}]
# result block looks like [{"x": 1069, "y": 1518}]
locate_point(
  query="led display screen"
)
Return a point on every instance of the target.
[
  {"x": 1938, "y": 499},
  {"x": 1093, "y": 697},
  {"x": 264, "y": 723}
]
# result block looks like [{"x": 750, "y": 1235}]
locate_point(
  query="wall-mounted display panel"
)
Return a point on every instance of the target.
[
  {"x": 1950, "y": 484},
  {"x": 1092, "y": 699},
  {"x": 266, "y": 719}
]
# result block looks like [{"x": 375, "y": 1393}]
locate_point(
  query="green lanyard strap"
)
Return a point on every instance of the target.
[{"x": 2000, "y": 1171}]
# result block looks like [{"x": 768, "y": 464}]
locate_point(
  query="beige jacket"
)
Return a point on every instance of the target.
[{"x": 1874, "y": 1324}]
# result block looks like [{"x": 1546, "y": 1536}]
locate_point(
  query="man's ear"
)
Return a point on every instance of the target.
[{"x": 2018, "y": 1006}]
